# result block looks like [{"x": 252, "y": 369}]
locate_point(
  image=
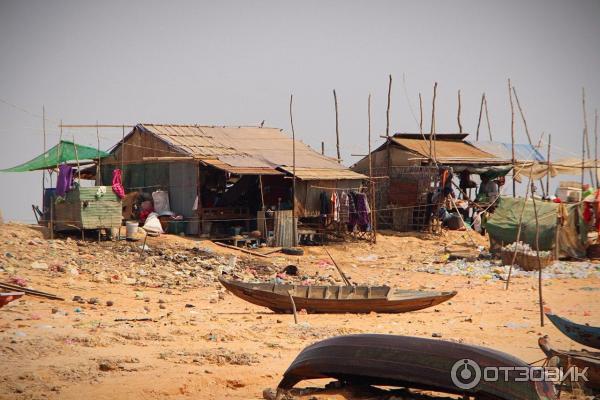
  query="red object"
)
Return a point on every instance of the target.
[
  {"x": 587, "y": 212},
  {"x": 6, "y": 298},
  {"x": 117, "y": 185},
  {"x": 144, "y": 214},
  {"x": 557, "y": 200}
]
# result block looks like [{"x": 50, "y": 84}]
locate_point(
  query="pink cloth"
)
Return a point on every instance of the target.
[{"x": 117, "y": 186}]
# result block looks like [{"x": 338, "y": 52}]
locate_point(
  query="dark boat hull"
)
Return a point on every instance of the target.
[
  {"x": 582, "y": 334},
  {"x": 410, "y": 362},
  {"x": 280, "y": 302}
]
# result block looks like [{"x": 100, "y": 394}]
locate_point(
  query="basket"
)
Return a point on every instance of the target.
[{"x": 527, "y": 262}]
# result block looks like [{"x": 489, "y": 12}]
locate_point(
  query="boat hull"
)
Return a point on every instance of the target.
[
  {"x": 582, "y": 334},
  {"x": 409, "y": 362},
  {"x": 280, "y": 302}
]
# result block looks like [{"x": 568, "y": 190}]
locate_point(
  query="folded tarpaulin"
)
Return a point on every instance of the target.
[{"x": 63, "y": 152}]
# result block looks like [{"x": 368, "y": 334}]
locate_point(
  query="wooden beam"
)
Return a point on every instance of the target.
[
  {"x": 480, "y": 113},
  {"x": 337, "y": 127},
  {"x": 512, "y": 136},
  {"x": 460, "y": 128},
  {"x": 294, "y": 228},
  {"x": 61, "y": 125}
]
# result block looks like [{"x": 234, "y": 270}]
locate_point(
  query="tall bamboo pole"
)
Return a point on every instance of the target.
[
  {"x": 512, "y": 136},
  {"x": 585, "y": 128},
  {"x": 294, "y": 228},
  {"x": 432, "y": 128},
  {"x": 480, "y": 114},
  {"x": 337, "y": 128},
  {"x": 323, "y": 148},
  {"x": 123, "y": 154},
  {"x": 98, "y": 167},
  {"x": 77, "y": 158},
  {"x": 548, "y": 163},
  {"x": 371, "y": 181},
  {"x": 596, "y": 146},
  {"x": 537, "y": 249},
  {"x": 387, "y": 113},
  {"x": 487, "y": 118},
  {"x": 460, "y": 128},
  {"x": 44, "y": 170},
  {"x": 420, "y": 114}
]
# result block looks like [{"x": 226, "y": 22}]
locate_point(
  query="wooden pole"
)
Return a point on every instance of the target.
[
  {"x": 372, "y": 184},
  {"x": 585, "y": 128},
  {"x": 420, "y": 114},
  {"x": 44, "y": 170},
  {"x": 293, "y": 306},
  {"x": 77, "y": 158},
  {"x": 98, "y": 167},
  {"x": 596, "y": 146},
  {"x": 460, "y": 128},
  {"x": 512, "y": 136},
  {"x": 123, "y": 154},
  {"x": 487, "y": 118},
  {"x": 432, "y": 128},
  {"x": 323, "y": 148},
  {"x": 294, "y": 228},
  {"x": 480, "y": 114},
  {"x": 262, "y": 197},
  {"x": 387, "y": 113},
  {"x": 537, "y": 249},
  {"x": 342, "y": 274},
  {"x": 548, "y": 168},
  {"x": 337, "y": 128}
]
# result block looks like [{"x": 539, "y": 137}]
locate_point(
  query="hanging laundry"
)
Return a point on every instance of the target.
[
  {"x": 117, "y": 185},
  {"x": 352, "y": 211},
  {"x": 64, "y": 182},
  {"x": 344, "y": 207},
  {"x": 335, "y": 206},
  {"x": 325, "y": 206},
  {"x": 363, "y": 210}
]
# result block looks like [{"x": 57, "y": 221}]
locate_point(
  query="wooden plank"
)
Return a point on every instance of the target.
[{"x": 240, "y": 249}]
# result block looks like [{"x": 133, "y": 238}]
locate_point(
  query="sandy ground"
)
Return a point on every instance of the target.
[{"x": 224, "y": 348}]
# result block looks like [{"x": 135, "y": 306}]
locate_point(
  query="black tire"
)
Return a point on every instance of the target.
[{"x": 292, "y": 251}]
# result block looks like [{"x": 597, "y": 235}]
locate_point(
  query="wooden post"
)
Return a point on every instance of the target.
[
  {"x": 294, "y": 228},
  {"x": 537, "y": 249},
  {"x": 432, "y": 128},
  {"x": 596, "y": 146},
  {"x": 123, "y": 155},
  {"x": 77, "y": 158},
  {"x": 98, "y": 167},
  {"x": 460, "y": 128},
  {"x": 52, "y": 217},
  {"x": 337, "y": 128},
  {"x": 262, "y": 197},
  {"x": 371, "y": 182},
  {"x": 420, "y": 114},
  {"x": 548, "y": 168},
  {"x": 387, "y": 113},
  {"x": 512, "y": 136},
  {"x": 323, "y": 148},
  {"x": 293, "y": 306},
  {"x": 487, "y": 118},
  {"x": 480, "y": 114},
  {"x": 44, "y": 170},
  {"x": 585, "y": 128}
]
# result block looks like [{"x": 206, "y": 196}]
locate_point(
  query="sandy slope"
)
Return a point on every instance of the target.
[{"x": 223, "y": 347}]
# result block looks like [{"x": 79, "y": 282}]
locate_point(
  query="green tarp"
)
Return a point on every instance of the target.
[
  {"x": 502, "y": 225},
  {"x": 63, "y": 152}
]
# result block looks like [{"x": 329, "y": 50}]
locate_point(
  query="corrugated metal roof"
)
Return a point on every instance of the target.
[
  {"x": 446, "y": 150},
  {"x": 523, "y": 152},
  {"x": 241, "y": 147},
  {"x": 312, "y": 174}
]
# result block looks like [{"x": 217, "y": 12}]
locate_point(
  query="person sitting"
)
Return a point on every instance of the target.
[{"x": 488, "y": 190}]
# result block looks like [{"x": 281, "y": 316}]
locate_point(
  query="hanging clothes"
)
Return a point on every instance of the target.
[
  {"x": 352, "y": 212},
  {"x": 363, "y": 211},
  {"x": 117, "y": 185},
  {"x": 325, "y": 205},
  {"x": 64, "y": 182},
  {"x": 344, "y": 207},
  {"x": 335, "y": 207}
]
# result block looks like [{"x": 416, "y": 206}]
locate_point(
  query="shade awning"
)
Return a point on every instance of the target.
[
  {"x": 241, "y": 170},
  {"x": 64, "y": 152},
  {"x": 308, "y": 174}
]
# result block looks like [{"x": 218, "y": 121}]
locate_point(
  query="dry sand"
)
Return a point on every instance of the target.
[{"x": 225, "y": 348}]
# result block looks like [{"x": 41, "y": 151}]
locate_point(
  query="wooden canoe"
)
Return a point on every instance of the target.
[
  {"x": 6, "y": 298},
  {"x": 582, "y": 334},
  {"x": 334, "y": 299},
  {"x": 580, "y": 359},
  {"x": 411, "y": 362}
]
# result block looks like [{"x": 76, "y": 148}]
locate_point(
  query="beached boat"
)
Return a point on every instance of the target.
[
  {"x": 412, "y": 362},
  {"x": 580, "y": 359},
  {"x": 334, "y": 299},
  {"x": 6, "y": 298},
  {"x": 582, "y": 334}
]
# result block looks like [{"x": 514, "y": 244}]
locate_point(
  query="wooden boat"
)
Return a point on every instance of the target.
[
  {"x": 6, "y": 298},
  {"x": 582, "y": 334},
  {"x": 580, "y": 359},
  {"x": 412, "y": 362},
  {"x": 334, "y": 299}
]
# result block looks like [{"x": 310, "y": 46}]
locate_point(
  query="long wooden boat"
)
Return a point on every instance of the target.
[
  {"x": 6, "y": 298},
  {"x": 412, "y": 362},
  {"x": 582, "y": 334},
  {"x": 334, "y": 299},
  {"x": 580, "y": 359}
]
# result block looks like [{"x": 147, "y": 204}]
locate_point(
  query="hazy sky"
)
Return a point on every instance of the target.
[{"x": 236, "y": 62}]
